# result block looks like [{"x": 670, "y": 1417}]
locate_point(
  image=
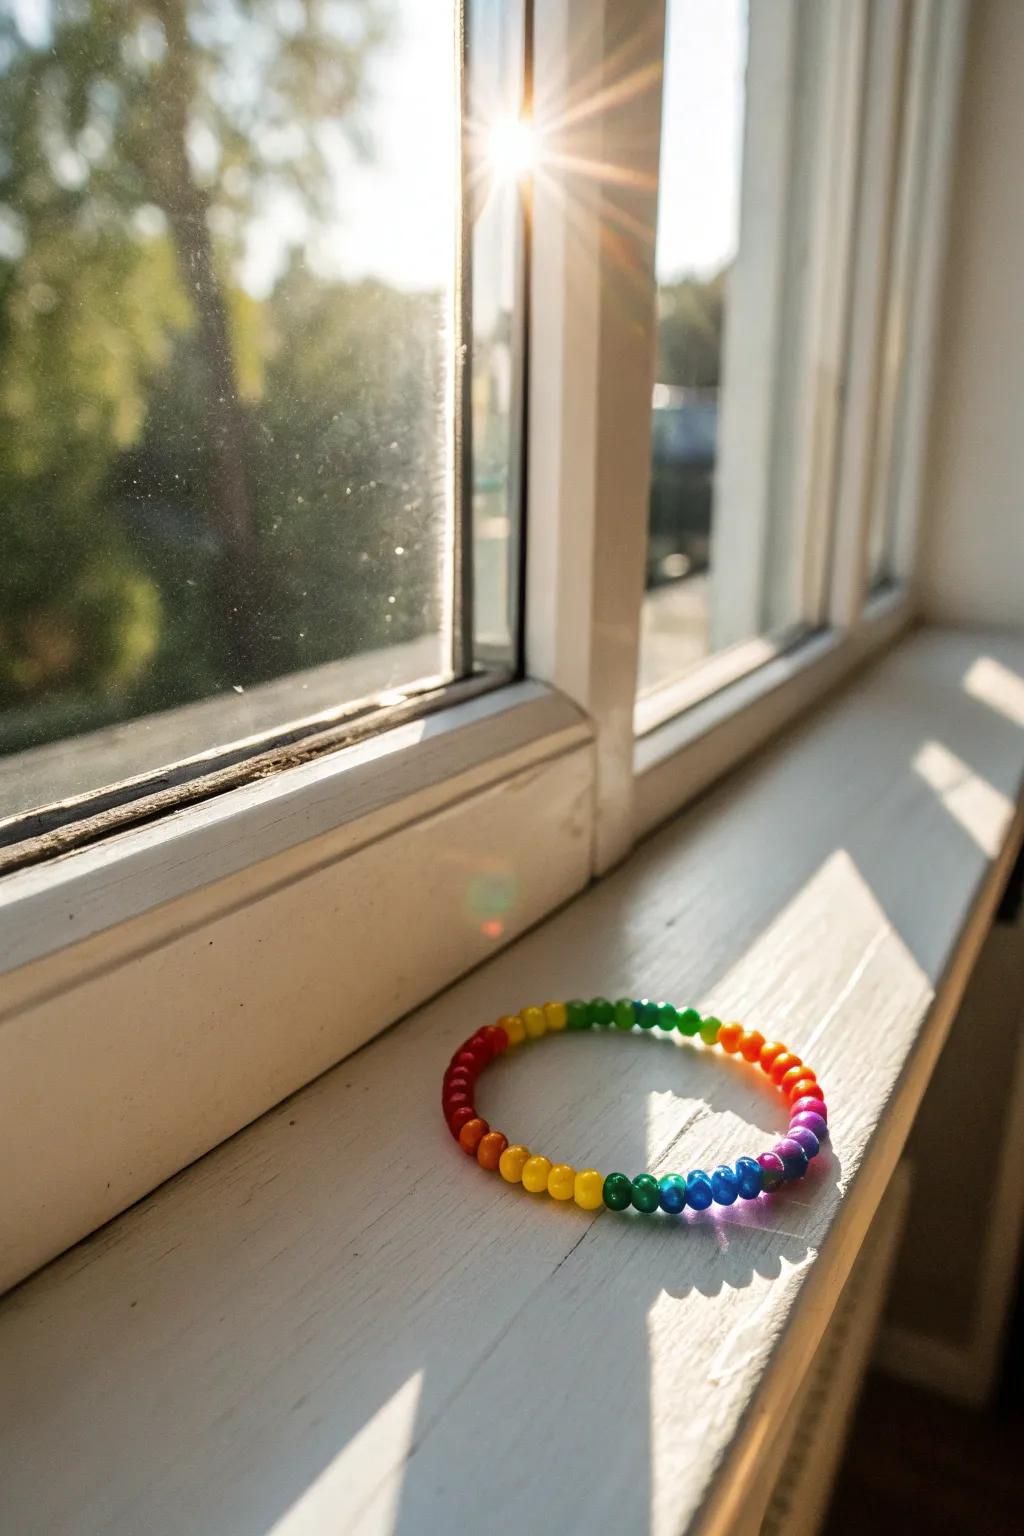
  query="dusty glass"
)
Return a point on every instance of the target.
[{"x": 229, "y": 346}]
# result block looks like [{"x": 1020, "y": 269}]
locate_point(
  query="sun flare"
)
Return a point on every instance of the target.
[{"x": 512, "y": 148}]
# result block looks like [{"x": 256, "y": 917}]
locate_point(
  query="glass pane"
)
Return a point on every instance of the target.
[
  {"x": 228, "y": 256},
  {"x": 496, "y": 79},
  {"x": 698, "y": 238},
  {"x": 727, "y": 558},
  {"x": 918, "y": 39}
]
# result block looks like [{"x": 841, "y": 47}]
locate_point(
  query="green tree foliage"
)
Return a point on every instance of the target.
[
  {"x": 198, "y": 487},
  {"x": 691, "y": 314}
]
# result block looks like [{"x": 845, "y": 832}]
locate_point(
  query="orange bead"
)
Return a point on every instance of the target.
[
  {"x": 730, "y": 1037},
  {"x": 488, "y": 1153},
  {"x": 770, "y": 1054},
  {"x": 806, "y": 1087},
  {"x": 781, "y": 1065},
  {"x": 472, "y": 1134},
  {"x": 794, "y": 1075},
  {"x": 750, "y": 1045}
]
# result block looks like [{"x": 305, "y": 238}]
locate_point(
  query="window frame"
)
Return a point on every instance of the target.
[{"x": 543, "y": 783}]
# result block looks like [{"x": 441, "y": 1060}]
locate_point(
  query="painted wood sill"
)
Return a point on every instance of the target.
[{"x": 334, "y": 1322}]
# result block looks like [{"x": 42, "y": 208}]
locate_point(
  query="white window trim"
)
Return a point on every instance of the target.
[
  {"x": 139, "y": 1024},
  {"x": 354, "y": 797}
]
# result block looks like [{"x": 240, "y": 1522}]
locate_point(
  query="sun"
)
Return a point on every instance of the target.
[{"x": 511, "y": 148}]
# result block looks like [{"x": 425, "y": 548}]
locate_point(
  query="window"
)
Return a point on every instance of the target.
[
  {"x": 915, "y": 45},
  {"x": 795, "y": 142},
  {"x": 697, "y": 243},
  {"x": 326, "y": 343},
  {"x": 260, "y": 398}
]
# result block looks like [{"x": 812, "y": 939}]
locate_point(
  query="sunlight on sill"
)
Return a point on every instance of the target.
[
  {"x": 836, "y": 929},
  {"x": 982, "y": 811},
  {"x": 356, "y": 1474},
  {"x": 995, "y": 684}
]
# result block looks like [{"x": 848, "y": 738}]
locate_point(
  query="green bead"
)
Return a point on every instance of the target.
[
  {"x": 577, "y": 1015},
  {"x": 646, "y": 1193},
  {"x": 709, "y": 1030},
  {"x": 625, "y": 1014},
  {"x": 668, "y": 1018},
  {"x": 618, "y": 1191},
  {"x": 600, "y": 1011},
  {"x": 646, "y": 1012},
  {"x": 689, "y": 1021}
]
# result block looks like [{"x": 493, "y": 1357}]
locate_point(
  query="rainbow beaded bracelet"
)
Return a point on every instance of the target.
[{"x": 745, "y": 1180}]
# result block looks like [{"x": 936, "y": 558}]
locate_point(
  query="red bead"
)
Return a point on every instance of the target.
[
  {"x": 460, "y": 1078},
  {"x": 496, "y": 1038},
  {"x": 460, "y": 1117},
  {"x": 794, "y": 1076},
  {"x": 488, "y": 1153},
  {"x": 453, "y": 1101},
  {"x": 466, "y": 1058},
  {"x": 805, "y": 1087},
  {"x": 781, "y": 1065},
  {"x": 472, "y": 1134}
]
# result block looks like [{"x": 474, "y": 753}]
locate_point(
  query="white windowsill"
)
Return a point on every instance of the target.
[{"x": 332, "y": 1321}]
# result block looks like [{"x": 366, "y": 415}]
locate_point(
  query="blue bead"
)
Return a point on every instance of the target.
[
  {"x": 723, "y": 1185},
  {"x": 806, "y": 1138},
  {"x": 813, "y": 1122},
  {"x": 794, "y": 1158},
  {"x": 748, "y": 1178},
  {"x": 673, "y": 1193},
  {"x": 699, "y": 1193},
  {"x": 646, "y": 1012}
]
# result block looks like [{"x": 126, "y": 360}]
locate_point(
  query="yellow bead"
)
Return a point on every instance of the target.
[
  {"x": 554, "y": 1013},
  {"x": 534, "y": 1022},
  {"x": 512, "y": 1162},
  {"x": 535, "y": 1174},
  {"x": 513, "y": 1026},
  {"x": 588, "y": 1189},
  {"x": 561, "y": 1182}
]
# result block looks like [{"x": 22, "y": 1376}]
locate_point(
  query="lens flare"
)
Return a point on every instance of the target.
[{"x": 512, "y": 148}]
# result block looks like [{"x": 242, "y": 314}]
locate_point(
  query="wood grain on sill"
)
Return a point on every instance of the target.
[{"x": 335, "y": 1323}]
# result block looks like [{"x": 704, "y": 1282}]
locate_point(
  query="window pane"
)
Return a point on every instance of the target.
[
  {"x": 698, "y": 236},
  {"x": 725, "y": 561},
  {"x": 496, "y": 47},
  {"x": 919, "y": 36},
  {"x": 228, "y": 352}
]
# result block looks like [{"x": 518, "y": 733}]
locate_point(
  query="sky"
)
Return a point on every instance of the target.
[
  {"x": 701, "y": 136},
  {"x": 398, "y": 208}
]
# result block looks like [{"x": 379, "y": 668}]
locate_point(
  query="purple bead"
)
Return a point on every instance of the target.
[
  {"x": 794, "y": 1158},
  {"x": 772, "y": 1170},
  {"x": 806, "y": 1138},
  {"x": 811, "y": 1122},
  {"x": 810, "y": 1105}
]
